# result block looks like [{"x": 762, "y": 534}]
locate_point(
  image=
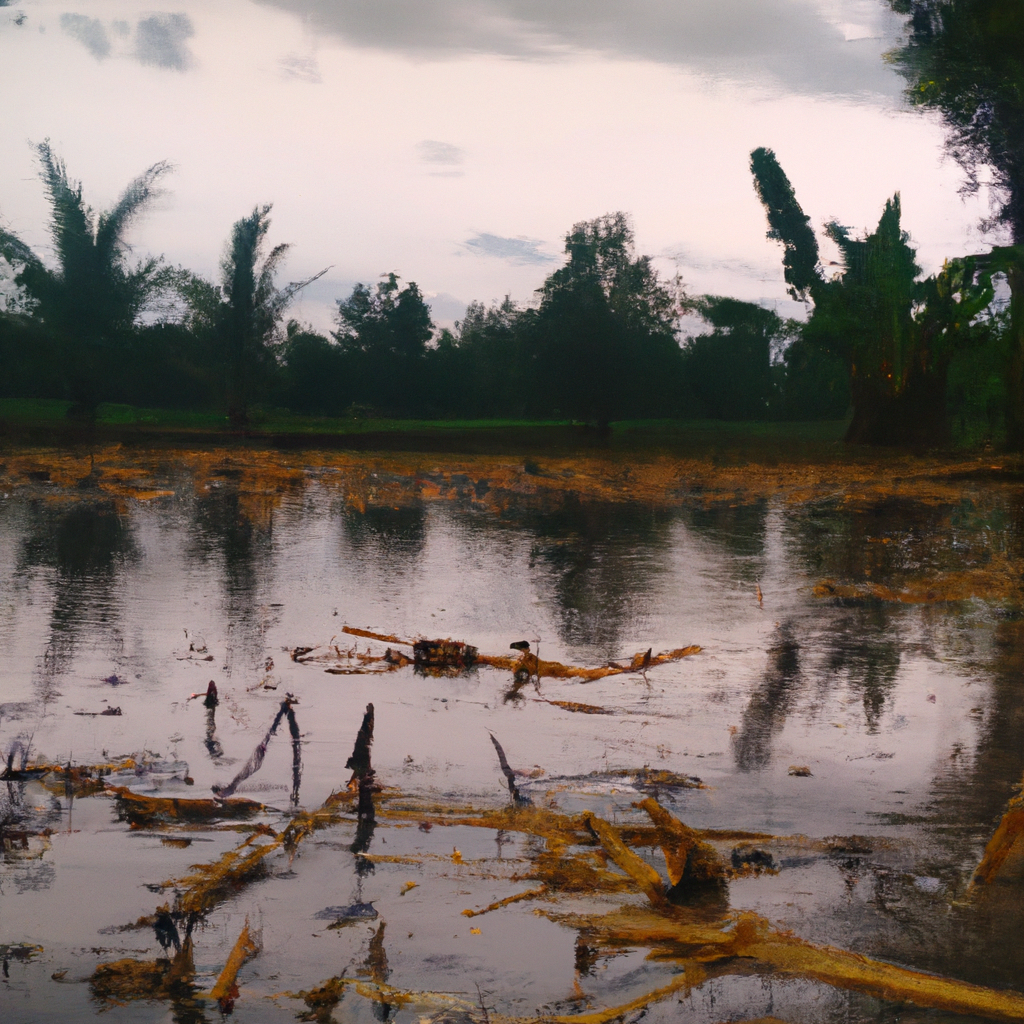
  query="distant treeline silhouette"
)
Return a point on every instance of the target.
[{"x": 602, "y": 342}]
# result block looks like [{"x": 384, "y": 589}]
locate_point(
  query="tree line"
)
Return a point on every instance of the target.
[
  {"x": 601, "y": 342},
  {"x": 909, "y": 358}
]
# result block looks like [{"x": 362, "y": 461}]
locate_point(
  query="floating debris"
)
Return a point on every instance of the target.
[
  {"x": 130, "y": 980},
  {"x": 572, "y": 705},
  {"x": 23, "y": 951},
  {"x": 689, "y": 859},
  {"x": 446, "y": 656},
  {"x": 989, "y": 584},
  {"x": 210, "y": 698},
  {"x": 225, "y": 991},
  {"x": 353, "y": 912},
  {"x": 582, "y": 854},
  {"x": 141, "y": 811},
  {"x": 1008, "y": 835}
]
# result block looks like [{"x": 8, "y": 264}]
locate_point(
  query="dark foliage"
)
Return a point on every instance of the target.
[
  {"x": 602, "y": 344},
  {"x": 729, "y": 370},
  {"x": 383, "y": 334},
  {"x": 90, "y": 303},
  {"x": 894, "y": 334},
  {"x": 313, "y": 377},
  {"x": 965, "y": 58},
  {"x": 787, "y": 222}
]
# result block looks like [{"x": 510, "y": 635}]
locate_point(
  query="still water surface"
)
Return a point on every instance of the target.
[{"x": 116, "y": 582}]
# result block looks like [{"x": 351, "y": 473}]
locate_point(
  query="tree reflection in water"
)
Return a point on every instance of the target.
[{"x": 85, "y": 550}]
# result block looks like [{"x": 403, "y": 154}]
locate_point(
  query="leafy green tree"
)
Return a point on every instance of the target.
[
  {"x": 384, "y": 332},
  {"x": 965, "y": 59},
  {"x": 313, "y": 372},
  {"x": 603, "y": 342},
  {"x": 92, "y": 300},
  {"x": 242, "y": 315},
  {"x": 729, "y": 370},
  {"x": 895, "y": 334},
  {"x": 490, "y": 360},
  {"x": 815, "y": 382}
]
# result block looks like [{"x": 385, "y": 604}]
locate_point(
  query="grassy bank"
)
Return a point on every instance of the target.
[{"x": 45, "y": 420}]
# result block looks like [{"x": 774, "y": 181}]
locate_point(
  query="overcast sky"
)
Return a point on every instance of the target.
[{"x": 455, "y": 142}]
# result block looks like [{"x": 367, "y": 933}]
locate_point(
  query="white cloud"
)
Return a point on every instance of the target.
[{"x": 433, "y": 152}]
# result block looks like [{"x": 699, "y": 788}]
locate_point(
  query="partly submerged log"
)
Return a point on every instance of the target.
[
  {"x": 1008, "y": 838},
  {"x": 690, "y": 860},
  {"x": 140, "y": 811},
  {"x": 225, "y": 991},
  {"x": 457, "y": 655},
  {"x": 749, "y": 937}
]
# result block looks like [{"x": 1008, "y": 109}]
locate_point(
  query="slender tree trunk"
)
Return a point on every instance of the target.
[{"x": 916, "y": 417}]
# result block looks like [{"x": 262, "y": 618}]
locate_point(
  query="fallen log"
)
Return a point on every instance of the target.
[
  {"x": 1008, "y": 835},
  {"x": 141, "y": 811}
]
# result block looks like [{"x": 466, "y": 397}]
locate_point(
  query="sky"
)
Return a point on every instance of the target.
[{"x": 456, "y": 142}]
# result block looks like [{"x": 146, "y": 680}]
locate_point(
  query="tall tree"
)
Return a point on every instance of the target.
[
  {"x": 93, "y": 298},
  {"x": 490, "y": 359},
  {"x": 895, "y": 334},
  {"x": 384, "y": 332},
  {"x": 605, "y": 334},
  {"x": 242, "y": 316},
  {"x": 729, "y": 369},
  {"x": 965, "y": 59}
]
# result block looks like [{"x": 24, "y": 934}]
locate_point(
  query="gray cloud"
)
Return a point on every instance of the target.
[
  {"x": 160, "y": 40},
  {"x": 790, "y": 43},
  {"x": 432, "y": 152},
  {"x": 518, "y": 251},
  {"x": 89, "y": 32}
]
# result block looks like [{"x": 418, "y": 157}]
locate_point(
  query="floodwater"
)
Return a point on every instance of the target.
[{"x": 857, "y": 703}]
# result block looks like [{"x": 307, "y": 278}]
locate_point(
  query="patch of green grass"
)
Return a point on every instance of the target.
[
  {"x": 113, "y": 414},
  {"x": 731, "y": 441},
  {"x": 33, "y": 410}
]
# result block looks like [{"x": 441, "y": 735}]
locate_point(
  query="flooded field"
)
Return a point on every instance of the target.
[{"x": 713, "y": 740}]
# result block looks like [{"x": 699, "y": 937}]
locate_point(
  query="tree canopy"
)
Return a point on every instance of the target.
[
  {"x": 894, "y": 333},
  {"x": 384, "y": 331},
  {"x": 965, "y": 59},
  {"x": 241, "y": 317},
  {"x": 94, "y": 295},
  {"x": 604, "y": 337},
  {"x": 787, "y": 222}
]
